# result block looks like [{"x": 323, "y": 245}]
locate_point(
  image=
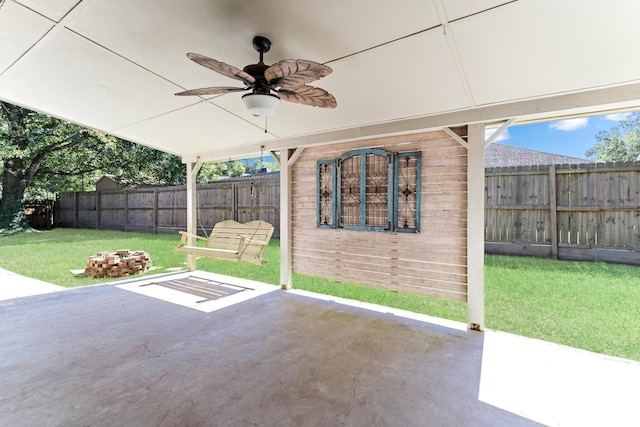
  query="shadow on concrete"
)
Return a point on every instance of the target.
[{"x": 106, "y": 356}]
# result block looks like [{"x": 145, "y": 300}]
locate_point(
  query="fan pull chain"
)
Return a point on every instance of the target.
[{"x": 265, "y": 123}]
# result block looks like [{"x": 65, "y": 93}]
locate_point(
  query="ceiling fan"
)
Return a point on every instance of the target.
[{"x": 287, "y": 79}]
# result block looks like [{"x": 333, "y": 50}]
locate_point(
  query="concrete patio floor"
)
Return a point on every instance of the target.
[
  {"x": 15, "y": 286},
  {"x": 125, "y": 355}
]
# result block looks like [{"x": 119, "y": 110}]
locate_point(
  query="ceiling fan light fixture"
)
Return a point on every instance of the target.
[
  {"x": 260, "y": 104},
  {"x": 288, "y": 78}
]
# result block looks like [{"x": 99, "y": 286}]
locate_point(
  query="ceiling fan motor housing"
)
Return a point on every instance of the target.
[{"x": 261, "y": 84}]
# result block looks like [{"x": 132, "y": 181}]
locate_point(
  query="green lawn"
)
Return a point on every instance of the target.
[{"x": 594, "y": 306}]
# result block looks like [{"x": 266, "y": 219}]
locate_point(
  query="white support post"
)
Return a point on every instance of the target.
[
  {"x": 192, "y": 210},
  {"x": 285, "y": 220},
  {"x": 475, "y": 226}
]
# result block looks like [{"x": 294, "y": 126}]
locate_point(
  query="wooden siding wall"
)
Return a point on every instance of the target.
[
  {"x": 164, "y": 210},
  {"x": 432, "y": 262},
  {"x": 577, "y": 212}
]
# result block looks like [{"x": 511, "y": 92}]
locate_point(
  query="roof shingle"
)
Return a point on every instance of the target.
[{"x": 500, "y": 155}]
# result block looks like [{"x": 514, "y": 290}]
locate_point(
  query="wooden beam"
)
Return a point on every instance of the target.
[
  {"x": 593, "y": 101},
  {"x": 275, "y": 156},
  {"x": 294, "y": 156},
  {"x": 475, "y": 227},
  {"x": 498, "y": 132},
  {"x": 457, "y": 137}
]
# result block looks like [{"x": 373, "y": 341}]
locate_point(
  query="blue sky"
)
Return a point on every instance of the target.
[{"x": 572, "y": 137}]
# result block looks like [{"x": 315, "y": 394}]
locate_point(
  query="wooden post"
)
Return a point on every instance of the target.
[
  {"x": 285, "y": 220},
  {"x": 75, "y": 209},
  {"x": 98, "y": 210},
  {"x": 553, "y": 212},
  {"x": 287, "y": 159},
  {"x": 475, "y": 226},
  {"x": 126, "y": 210},
  {"x": 234, "y": 201},
  {"x": 192, "y": 210},
  {"x": 155, "y": 211},
  {"x": 56, "y": 210}
]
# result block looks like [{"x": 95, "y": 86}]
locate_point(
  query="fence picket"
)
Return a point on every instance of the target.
[
  {"x": 591, "y": 207},
  {"x": 576, "y": 208},
  {"x": 164, "y": 210}
]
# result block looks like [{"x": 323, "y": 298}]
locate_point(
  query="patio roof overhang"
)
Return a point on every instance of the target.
[{"x": 398, "y": 66}]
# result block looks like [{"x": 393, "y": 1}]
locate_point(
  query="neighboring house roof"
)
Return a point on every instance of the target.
[
  {"x": 266, "y": 174},
  {"x": 248, "y": 177},
  {"x": 495, "y": 156},
  {"x": 500, "y": 155}
]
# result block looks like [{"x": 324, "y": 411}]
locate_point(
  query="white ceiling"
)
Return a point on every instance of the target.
[{"x": 399, "y": 65}]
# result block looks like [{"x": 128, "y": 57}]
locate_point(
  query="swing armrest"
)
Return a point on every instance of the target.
[
  {"x": 253, "y": 240},
  {"x": 184, "y": 234}
]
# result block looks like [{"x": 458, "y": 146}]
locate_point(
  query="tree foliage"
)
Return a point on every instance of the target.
[
  {"x": 215, "y": 170},
  {"x": 257, "y": 165},
  {"x": 620, "y": 143},
  {"x": 42, "y": 155}
]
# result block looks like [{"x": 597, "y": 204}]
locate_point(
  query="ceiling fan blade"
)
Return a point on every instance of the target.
[
  {"x": 211, "y": 90},
  {"x": 292, "y": 73},
  {"x": 222, "y": 68},
  {"x": 308, "y": 95}
]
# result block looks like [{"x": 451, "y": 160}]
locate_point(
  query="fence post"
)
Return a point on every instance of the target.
[
  {"x": 75, "y": 209},
  {"x": 56, "y": 210},
  {"x": 155, "y": 211},
  {"x": 98, "y": 207},
  {"x": 234, "y": 196},
  {"x": 553, "y": 212},
  {"x": 126, "y": 210}
]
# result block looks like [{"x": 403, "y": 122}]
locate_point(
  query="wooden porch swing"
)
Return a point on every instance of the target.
[{"x": 232, "y": 241}]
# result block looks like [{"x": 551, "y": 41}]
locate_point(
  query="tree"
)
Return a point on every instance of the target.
[
  {"x": 43, "y": 155},
  {"x": 214, "y": 170},
  {"x": 620, "y": 143},
  {"x": 257, "y": 165},
  {"x": 27, "y": 139},
  {"x": 137, "y": 164}
]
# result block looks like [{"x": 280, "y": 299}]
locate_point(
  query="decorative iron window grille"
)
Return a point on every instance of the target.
[
  {"x": 370, "y": 189},
  {"x": 407, "y": 191},
  {"x": 326, "y": 176}
]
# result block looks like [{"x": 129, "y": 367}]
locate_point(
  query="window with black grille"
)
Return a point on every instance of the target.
[{"x": 370, "y": 189}]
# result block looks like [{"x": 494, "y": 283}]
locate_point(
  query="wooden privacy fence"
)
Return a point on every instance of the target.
[
  {"x": 164, "y": 210},
  {"x": 580, "y": 212},
  {"x": 576, "y": 212}
]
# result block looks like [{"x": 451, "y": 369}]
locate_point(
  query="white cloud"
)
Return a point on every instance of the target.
[
  {"x": 617, "y": 117},
  {"x": 570, "y": 124},
  {"x": 503, "y": 137}
]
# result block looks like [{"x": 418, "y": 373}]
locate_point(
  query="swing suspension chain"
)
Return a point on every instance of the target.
[
  {"x": 251, "y": 238},
  {"x": 258, "y": 227},
  {"x": 198, "y": 209},
  {"x": 200, "y": 221}
]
